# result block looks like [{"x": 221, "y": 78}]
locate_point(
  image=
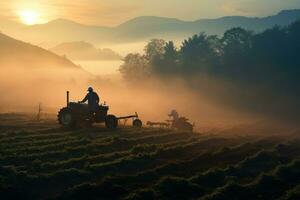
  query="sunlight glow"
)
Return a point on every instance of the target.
[{"x": 29, "y": 17}]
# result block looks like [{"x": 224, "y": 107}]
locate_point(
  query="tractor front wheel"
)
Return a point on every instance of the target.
[
  {"x": 137, "y": 123},
  {"x": 66, "y": 118},
  {"x": 111, "y": 122}
]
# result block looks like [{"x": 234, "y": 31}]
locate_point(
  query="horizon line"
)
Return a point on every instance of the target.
[{"x": 128, "y": 20}]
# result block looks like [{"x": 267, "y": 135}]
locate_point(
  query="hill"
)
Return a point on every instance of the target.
[
  {"x": 145, "y": 27},
  {"x": 20, "y": 54},
  {"x": 84, "y": 51},
  {"x": 30, "y": 74},
  {"x": 40, "y": 160}
]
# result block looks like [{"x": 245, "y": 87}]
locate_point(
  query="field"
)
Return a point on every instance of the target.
[{"x": 40, "y": 160}]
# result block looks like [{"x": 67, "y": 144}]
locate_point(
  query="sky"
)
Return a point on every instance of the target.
[{"x": 114, "y": 12}]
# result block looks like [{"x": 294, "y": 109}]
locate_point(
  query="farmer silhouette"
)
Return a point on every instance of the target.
[
  {"x": 174, "y": 115},
  {"x": 92, "y": 98}
]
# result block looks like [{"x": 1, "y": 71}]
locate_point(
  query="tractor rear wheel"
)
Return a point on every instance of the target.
[
  {"x": 111, "y": 122},
  {"x": 66, "y": 118},
  {"x": 186, "y": 126},
  {"x": 137, "y": 123}
]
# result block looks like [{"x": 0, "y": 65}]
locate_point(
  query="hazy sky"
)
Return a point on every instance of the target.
[{"x": 113, "y": 12}]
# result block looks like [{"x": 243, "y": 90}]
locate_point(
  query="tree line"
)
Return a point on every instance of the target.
[{"x": 268, "y": 62}]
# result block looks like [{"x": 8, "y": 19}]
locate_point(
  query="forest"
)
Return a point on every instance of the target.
[{"x": 258, "y": 71}]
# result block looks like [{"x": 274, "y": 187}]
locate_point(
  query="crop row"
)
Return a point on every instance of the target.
[
  {"x": 82, "y": 162},
  {"x": 27, "y": 140},
  {"x": 64, "y": 152},
  {"x": 30, "y": 143},
  {"x": 47, "y": 147},
  {"x": 28, "y": 136},
  {"x": 270, "y": 185},
  {"x": 133, "y": 164},
  {"x": 102, "y": 159},
  {"x": 197, "y": 186}
]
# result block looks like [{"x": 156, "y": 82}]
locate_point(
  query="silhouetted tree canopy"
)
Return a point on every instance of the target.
[
  {"x": 154, "y": 49},
  {"x": 239, "y": 54},
  {"x": 267, "y": 64},
  {"x": 135, "y": 67}
]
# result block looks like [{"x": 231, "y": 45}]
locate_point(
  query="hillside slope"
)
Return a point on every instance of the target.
[
  {"x": 84, "y": 51},
  {"x": 21, "y": 54},
  {"x": 30, "y": 74}
]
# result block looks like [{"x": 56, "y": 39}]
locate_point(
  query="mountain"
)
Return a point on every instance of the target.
[
  {"x": 20, "y": 54},
  {"x": 147, "y": 27},
  {"x": 151, "y": 26},
  {"x": 61, "y": 31},
  {"x": 84, "y": 51},
  {"x": 256, "y": 24},
  {"x": 144, "y": 28}
]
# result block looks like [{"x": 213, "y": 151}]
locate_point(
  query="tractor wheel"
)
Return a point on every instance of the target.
[
  {"x": 137, "y": 123},
  {"x": 66, "y": 118},
  {"x": 186, "y": 127},
  {"x": 111, "y": 122}
]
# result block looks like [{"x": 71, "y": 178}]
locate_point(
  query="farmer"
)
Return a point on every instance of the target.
[
  {"x": 174, "y": 115},
  {"x": 92, "y": 98}
]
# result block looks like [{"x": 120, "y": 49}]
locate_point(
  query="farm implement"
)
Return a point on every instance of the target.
[{"x": 175, "y": 122}]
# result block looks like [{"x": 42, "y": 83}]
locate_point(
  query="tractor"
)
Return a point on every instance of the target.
[{"x": 79, "y": 115}]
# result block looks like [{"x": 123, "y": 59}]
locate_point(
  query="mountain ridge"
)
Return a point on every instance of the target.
[
  {"x": 81, "y": 50},
  {"x": 146, "y": 27},
  {"x": 280, "y": 13}
]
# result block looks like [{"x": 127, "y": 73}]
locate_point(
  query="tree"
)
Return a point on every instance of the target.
[
  {"x": 237, "y": 44},
  {"x": 154, "y": 49},
  {"x": 170, "y": 51},
  {"x": 196, "y": 54},
  {"x": 135, "y": 67},
  {"x": 293, "y": 34},
  {"x": 168, "y": 61}
]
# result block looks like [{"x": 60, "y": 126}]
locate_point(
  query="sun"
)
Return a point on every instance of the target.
[{"x": 29, "y": 17}]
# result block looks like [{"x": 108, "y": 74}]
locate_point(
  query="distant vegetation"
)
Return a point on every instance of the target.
[
  {"x": 84, "y": 51},
  {"x": 262, "y": 69}
]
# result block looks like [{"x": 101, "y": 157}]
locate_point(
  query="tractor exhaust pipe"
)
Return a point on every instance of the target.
[{"x": 68, "y": 100}]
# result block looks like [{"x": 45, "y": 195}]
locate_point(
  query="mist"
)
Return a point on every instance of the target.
[
  {"x": 152, "y": 99},
  {"x": 203, "y": 90}
]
